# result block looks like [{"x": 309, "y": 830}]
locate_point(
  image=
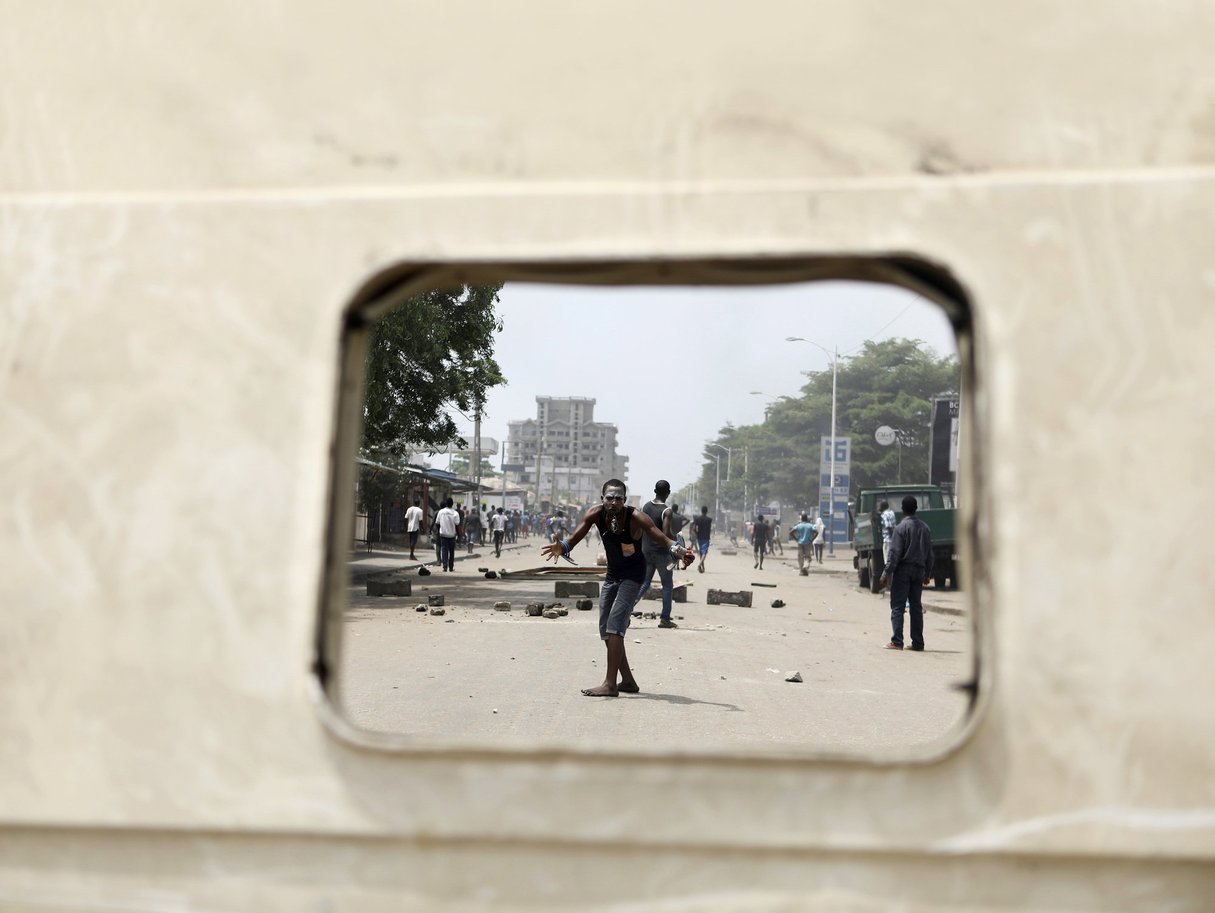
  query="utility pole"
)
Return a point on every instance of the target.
[{"x": 476, "y": 473}]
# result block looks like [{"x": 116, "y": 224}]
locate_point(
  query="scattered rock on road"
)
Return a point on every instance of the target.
[{"x": 795, "y": 677}]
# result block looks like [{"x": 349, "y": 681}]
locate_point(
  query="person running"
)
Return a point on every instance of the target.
[
  {"x": 702, "y": 527},
  {"x": 759, "y": 539},
  {"x": 498, "y": 524},
  {"x": 621, "y": 529},
  {"x": 659, "y": 559}
]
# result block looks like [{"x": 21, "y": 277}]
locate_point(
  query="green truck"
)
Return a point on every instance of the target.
[{"x": 867, "y": 534}]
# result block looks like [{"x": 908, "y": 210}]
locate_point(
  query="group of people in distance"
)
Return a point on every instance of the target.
[{"x": 640, "y": 542}]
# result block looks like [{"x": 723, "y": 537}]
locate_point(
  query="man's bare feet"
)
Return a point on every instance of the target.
[
  {"x": 601, "y": 691},
  {"x": 629, "y": 688}
]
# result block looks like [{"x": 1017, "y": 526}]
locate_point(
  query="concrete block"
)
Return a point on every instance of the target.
[
  {"x": 566, "y": 588},
  {"x": 678, "y": 593},
  {"x": 438, "y": 600},
  {"x": 725, "y": 597},
  {"x": 388, "y": 587}
]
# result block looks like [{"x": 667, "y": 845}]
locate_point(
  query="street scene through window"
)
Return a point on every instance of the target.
[{"x": 660, "y": 519}]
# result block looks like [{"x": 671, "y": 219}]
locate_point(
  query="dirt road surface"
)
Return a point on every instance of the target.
[{"x": 717, "y": 683}]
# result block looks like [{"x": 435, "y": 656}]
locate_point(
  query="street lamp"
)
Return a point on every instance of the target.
[
  {"x": 767, "y": 405},
  {"x": 717, "y": 491},
  {"x": 835, "y": 364}
]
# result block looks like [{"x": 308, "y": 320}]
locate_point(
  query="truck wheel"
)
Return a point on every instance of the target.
[
  {"x": 875, "y": 573},
  {"x": 862, "y": 572}
]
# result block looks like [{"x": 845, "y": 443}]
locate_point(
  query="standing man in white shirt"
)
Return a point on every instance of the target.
[
  {"x": 448, "y": 521},
  {"x": 413, "y": 526},
  {"x": 819, "y": 527},
  {"x": 498, "y": 522}
]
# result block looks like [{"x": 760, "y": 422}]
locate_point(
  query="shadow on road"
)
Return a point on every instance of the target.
[{"x": 680, "y": 699}]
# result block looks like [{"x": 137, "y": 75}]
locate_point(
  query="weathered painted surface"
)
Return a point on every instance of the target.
[{"x": 191, "y": 195}]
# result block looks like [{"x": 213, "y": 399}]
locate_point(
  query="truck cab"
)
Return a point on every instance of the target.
[{"x": 867, "y": 538}]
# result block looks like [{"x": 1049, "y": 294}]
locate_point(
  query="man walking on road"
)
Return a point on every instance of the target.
[
  {"x": 804, "y": 532},
  {"x": 498, "y": 522},
  {"x": 759, "y": 540},
  {"x": 656, "y": 558},
  {"x": 448, "y": 520},
  {"x": 702, "y": 527},
  {"x": 819, "y": 528},
  {"x": 413, "y": 526},
  {"x": 621, "y": 529},
  {"x": 908, "y": 569}
]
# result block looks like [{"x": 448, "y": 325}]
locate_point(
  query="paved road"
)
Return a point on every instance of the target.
[{"x": 718, "y": 682}]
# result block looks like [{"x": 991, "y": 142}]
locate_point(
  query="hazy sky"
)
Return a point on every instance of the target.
[{"x": 670, "y": 367}]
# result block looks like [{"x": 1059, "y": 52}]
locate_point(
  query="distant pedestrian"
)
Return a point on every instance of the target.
[
  {"x": 804, "y": 533},
  {"x": 774, "y": 543},
  {"x": 908, "y": 569},
  {"x": 413, "y": 526},
  {"x": 498, "y": 522},
  {"x": 887, "y": 518},
  {"x": 657, "y": 558},
  {"x": 702, "y": 528},
  {"x": 678, "y": 522},
  {"x": 472, "y": 526},
  {"x": 448, "y": 521},
  {"x": 621, "y": 529},
  {"x": 820, "y": 530},
  {"x": 759, "y": 540}
]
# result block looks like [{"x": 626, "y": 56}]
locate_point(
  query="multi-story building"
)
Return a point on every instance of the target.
[{"x": 575, "y": 453}]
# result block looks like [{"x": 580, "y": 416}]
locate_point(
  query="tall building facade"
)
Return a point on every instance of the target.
[{"x": 566, "y": 454}]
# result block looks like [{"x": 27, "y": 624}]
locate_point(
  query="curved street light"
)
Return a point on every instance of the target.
[{"x": 834, "y": 355}]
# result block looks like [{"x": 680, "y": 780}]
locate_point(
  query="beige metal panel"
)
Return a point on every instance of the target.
[
  {"x": 193, "y": 197},
  {"x": 214, "y": 621},
  {"x": 195, "y": 94}
]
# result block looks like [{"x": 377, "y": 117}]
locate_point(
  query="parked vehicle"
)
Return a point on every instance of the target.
[{"x": 867, "y": 535}]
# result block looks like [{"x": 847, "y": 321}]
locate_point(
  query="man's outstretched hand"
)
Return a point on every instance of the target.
[{"x": 552, "y": 550}]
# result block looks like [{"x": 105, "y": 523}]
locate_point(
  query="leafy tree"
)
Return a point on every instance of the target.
[
  {"x": 891, "y": 382},
  {"x": 432, "y": 353},
  {"x": 461, "y": 465}
]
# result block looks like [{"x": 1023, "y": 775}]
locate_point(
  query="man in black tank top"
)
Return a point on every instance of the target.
[{"x": 622, "y": 529}]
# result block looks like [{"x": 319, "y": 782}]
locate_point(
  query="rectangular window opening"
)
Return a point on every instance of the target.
[{"x": 728, "y": 381}]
